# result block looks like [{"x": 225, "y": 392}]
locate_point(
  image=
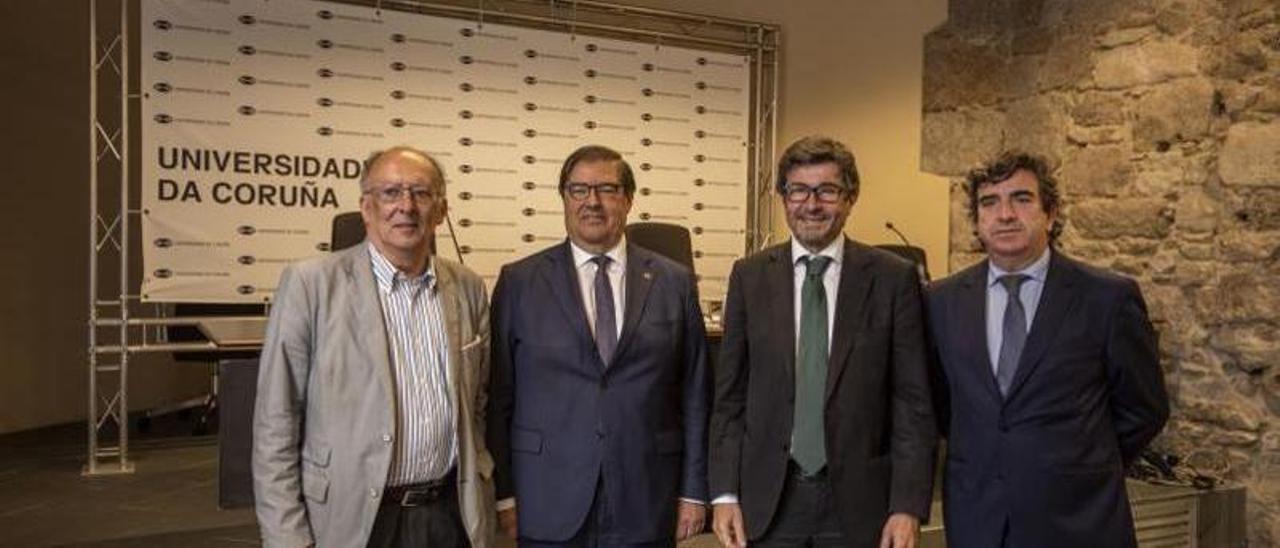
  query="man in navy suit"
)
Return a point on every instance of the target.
[
  {"x": 1049, "y": 383},
  {"x": 599, "y": 386}
]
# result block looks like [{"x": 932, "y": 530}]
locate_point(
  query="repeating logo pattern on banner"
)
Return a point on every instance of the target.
[{"x": 257, "y": 116}]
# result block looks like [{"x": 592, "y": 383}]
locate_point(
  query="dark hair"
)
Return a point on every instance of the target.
[
  {"x": 599, "y": 153},
  {"x": 378, "y": 154},
  {"x": 814, "y": 150},
  {"x": 1002, "y": 168}
]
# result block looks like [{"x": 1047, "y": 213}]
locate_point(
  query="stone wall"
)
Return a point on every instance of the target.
[{"x": 1162, "y": 118}]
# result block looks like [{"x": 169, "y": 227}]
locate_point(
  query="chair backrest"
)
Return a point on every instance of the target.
[
  {"x": 348, "y": 230},
  {"x": 910, "y": 253},
  {"x": 669, "y": 240}
]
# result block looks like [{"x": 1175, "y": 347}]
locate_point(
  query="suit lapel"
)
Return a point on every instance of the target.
[
  {"x": 851, "y": 297},
  {"x": 366, "y": 312},
  {"x": 1056, "y": 303},
  {"x": 561, "y": 277},
  {"x": 639, "y": 279},
  {"x": 972, "y": 325},
  {"x": 445, "y": 281},
  {"x": 780, "y": 283}
]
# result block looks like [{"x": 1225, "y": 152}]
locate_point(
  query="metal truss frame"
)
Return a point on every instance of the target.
[
  {"x": 121, "y": 326},
  {"x": 108, "y": 239}
]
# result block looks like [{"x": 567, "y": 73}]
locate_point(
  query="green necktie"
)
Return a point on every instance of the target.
[{"x": 809, "y": 447}]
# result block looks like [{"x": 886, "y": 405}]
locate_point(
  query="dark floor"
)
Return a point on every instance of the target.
[{"x": 170, "y": 499}]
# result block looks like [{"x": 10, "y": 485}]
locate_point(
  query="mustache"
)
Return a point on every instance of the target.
[{"x": 588, "y": 210}]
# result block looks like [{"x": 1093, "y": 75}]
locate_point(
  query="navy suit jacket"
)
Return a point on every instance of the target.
[
  {"x": 561, "y": 422},
  {"x": 1088, "y": 395}
]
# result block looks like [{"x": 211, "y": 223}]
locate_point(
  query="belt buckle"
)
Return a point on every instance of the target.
[
  {"x": 420, "y": 496},
  {"x": 408, "y": 500}
]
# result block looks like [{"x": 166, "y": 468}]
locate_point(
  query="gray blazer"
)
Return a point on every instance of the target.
[{"x": 324, "y": 421}]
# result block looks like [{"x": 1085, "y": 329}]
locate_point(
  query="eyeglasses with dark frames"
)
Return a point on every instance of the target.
[
  {"x": 581, "y": 191},
  {"x": 827, "y": 193}
]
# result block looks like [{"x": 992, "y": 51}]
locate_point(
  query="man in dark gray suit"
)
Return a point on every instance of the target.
[
  {"x": 823, "y": 431},
  {"x": 367, "y": 425}
]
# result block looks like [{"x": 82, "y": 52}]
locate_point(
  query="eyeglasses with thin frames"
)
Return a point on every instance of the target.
[{"x": 392, "y": 194}]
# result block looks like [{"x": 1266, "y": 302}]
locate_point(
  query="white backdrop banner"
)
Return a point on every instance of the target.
[{"x": 257, "y": 116}]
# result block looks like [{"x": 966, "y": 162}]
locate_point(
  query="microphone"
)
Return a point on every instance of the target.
[
  {"x": 921, "y": 269},
  {"x": 889, "y": 225}
]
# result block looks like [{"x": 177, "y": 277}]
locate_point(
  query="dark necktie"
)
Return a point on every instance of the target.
[
  {"x": 606, "y": 323},
  {"x": 1013, "y": 332},
  {"x": 808, "y": 447}
]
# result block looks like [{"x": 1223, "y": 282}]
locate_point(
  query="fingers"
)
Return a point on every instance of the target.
[
  {"x": 899, "y": 532},
  {"x": 727, "y": 524},
  {"x": 692, "y": 518},
  {"x": 507, "y": 522},
  {"x": 739, "y": 534}
]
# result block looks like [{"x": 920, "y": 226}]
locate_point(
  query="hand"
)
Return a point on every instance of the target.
[
  {"x": 727, "y": 523},
  {"x": 900, "y": 531},
  {"x": 692, "y": 517},
  {"x": 507, "y": 522}
]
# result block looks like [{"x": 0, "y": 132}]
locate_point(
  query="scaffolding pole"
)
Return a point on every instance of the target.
[{"x": 108, "y": 399}]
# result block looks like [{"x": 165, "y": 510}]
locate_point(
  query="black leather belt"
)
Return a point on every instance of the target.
[{"x": 422, "y": 494}]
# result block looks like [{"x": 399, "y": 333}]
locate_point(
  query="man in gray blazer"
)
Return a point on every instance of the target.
[{"x": 368, "y": 427}]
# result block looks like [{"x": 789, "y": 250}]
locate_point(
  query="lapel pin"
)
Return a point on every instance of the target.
[{"x": 647, "y": 276}]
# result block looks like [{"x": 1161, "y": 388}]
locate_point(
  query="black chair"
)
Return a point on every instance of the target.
[
  {"x": 913, "y": 254},
  {"x": 669, "y": 240},
  {"x": 348, "y": 230}
]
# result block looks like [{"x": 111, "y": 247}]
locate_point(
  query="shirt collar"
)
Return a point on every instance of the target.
[
  {"x": 834, "y": 250},
  {"x": 1037, "y": 270},
  {"x": 618, "y": 254},
  {"x": 387, "y": 275}
]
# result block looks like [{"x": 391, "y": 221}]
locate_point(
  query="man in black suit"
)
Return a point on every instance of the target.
[
  {"x": 600, "y": 392},
  {"x": 822, "y": 430},
  {"x": 1048, "y": 378}
]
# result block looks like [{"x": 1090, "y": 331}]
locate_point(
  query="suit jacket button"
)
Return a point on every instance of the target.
[
  {"x": 373, "y": 493},
  {"x": 386, "y": 438}
]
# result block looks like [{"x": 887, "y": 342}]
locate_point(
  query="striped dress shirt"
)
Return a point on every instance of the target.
[{"x": 425, "y": 439}]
